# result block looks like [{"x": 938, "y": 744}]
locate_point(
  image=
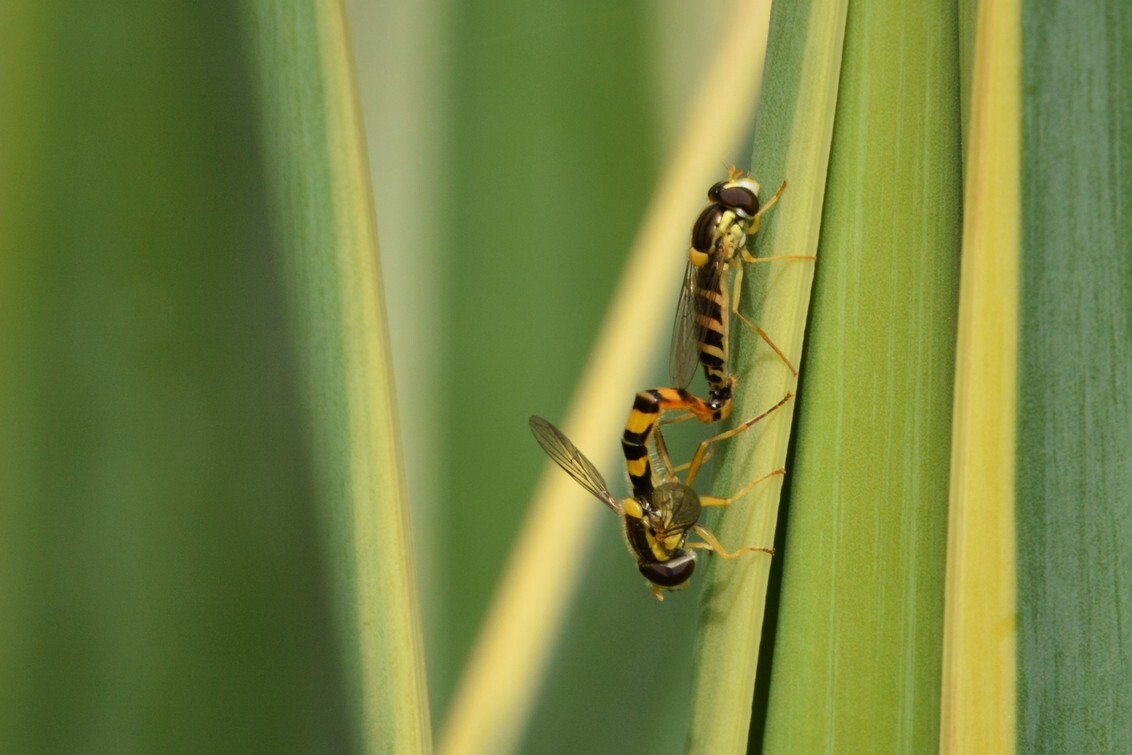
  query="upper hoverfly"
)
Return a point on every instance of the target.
[
  {"x": 719, "y": 239},
  {"x": 656, "y": 521}
]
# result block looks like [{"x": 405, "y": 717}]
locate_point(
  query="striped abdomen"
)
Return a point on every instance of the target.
[
  {"x": 647, "y": 408},
  {"x": 711, "y": 309}
]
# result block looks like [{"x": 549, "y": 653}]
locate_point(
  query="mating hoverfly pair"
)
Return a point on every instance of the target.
[{"x": 658, "y": 518}]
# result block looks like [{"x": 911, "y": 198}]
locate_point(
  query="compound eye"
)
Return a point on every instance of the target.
[
  {"x": 703, "y": 232},
  {"x": 713, "y": 192},
  {"x": 741, "y": 199},
  {"x": 672, "y": 573}
]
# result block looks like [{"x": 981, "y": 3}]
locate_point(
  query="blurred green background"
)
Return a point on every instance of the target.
[
  {"x": 159, "y": 582},
  {"x": 161, "y": 579},
  {"x": 164, "y": 572}
]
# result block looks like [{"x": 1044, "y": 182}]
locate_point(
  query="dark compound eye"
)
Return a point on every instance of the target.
[
  {"x": 671, "y": 573},
  {"x": 741, "y": 199},
  {"x": 703, "y": 232},
  {"x": 713, "y": 192}
]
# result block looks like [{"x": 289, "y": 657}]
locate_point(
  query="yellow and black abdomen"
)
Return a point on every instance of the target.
[{"x": 643, "y": 418}]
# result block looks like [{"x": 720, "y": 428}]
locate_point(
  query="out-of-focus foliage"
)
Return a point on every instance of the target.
[
  {"x": 164, "y": 576},
  {"x": 161, "y": 581}
]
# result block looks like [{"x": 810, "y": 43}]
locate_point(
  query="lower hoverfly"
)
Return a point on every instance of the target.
[{"x": 658, "y": 519}]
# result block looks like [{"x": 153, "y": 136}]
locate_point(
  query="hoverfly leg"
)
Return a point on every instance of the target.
[
  {"x": 713, "y": 501},
  {"x": 736, "y": 291},
  {"x": 702, "y": 451},
  {"x": 755, "y": 221},
  {"x": 712, "y": 544}
]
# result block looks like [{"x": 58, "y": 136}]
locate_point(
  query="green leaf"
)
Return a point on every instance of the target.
[
  {"x": 322, "y": 214},
  {"x": 161, "y": 582},
  {"x": 1075, "y": 379},
  {"x": 792, "y": 143},
  {"x": 857, "y": 644}
]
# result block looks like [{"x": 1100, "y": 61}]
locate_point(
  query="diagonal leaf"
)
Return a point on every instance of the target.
[
  {"x": 792, "y": 142},
  {"x": 513, "y": 651}
]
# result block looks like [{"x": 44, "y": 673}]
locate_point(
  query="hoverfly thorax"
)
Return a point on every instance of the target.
[
  {"x": 673, "y": 510},
  {"x": 704, "y": 232}
]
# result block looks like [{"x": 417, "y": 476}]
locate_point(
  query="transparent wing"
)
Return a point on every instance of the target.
[
  {"x": 567, "y": 456},
  {"x": 684, "y": 352},
  {"x": 690, "y": 328},
  {"x": 661, "y": 459}
]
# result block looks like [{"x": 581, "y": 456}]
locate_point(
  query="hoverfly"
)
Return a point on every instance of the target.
[
  {"x": 658, "y": 519},
  {"x": 719, "y": 241}
]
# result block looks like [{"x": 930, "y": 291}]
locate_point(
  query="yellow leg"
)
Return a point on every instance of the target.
[
  {"x": 672, "y": 420},
  {"x": 698, "y": 459},
  {"x": 687, "y": 464},
  {"x": 713, "y": 501},
  {"x": 769, "y": 204},
  {"x": 748, "y": 257},
  {"x": 736, "y": 292},
  {"x": 713, "y": 545}
]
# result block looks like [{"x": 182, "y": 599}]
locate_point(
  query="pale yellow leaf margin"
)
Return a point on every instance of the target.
[{"x": 978, "y": 695}]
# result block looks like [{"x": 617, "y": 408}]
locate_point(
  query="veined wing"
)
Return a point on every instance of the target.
[
  {"x": 687, "y": 332},
  {"x": 691, "y": 325},
  {"x": 573, "y": 461}
]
